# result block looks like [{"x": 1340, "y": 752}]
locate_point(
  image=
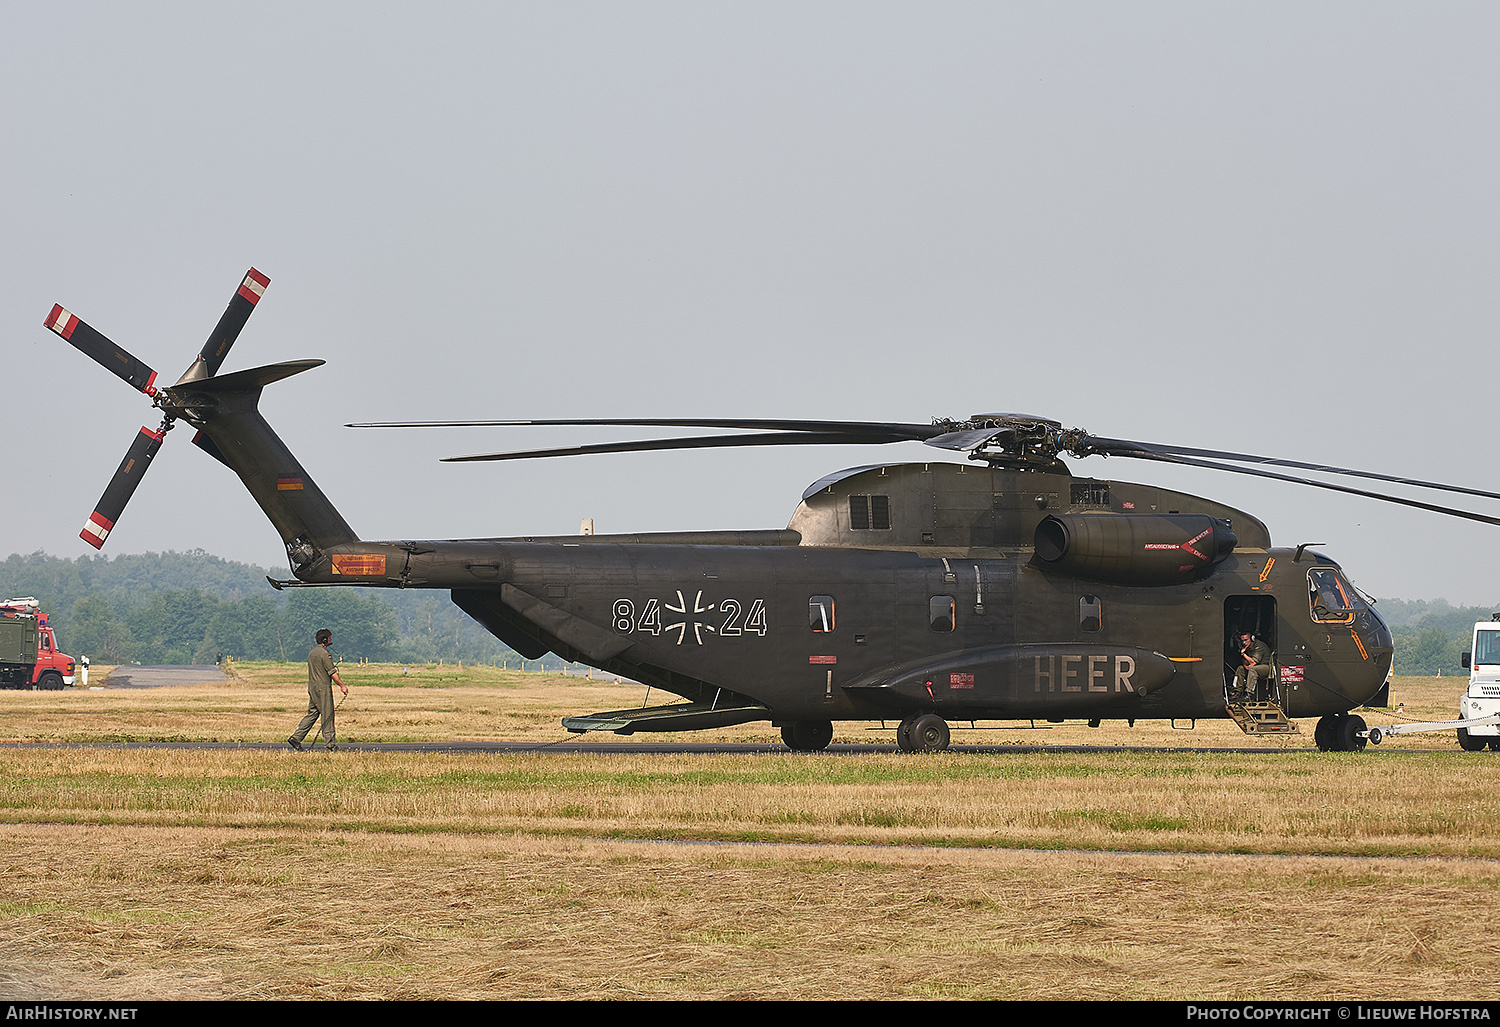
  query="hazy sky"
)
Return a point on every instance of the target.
[{"x": 1262, "y": 227}]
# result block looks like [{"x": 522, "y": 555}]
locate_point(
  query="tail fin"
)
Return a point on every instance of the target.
[{"x": 233, "y": 431}]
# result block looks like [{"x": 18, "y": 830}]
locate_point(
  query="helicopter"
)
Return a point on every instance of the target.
[{"x": 1002, "y": 588}]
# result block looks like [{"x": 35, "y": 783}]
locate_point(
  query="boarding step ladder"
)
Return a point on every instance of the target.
[{"x": 1261, "y": 718}]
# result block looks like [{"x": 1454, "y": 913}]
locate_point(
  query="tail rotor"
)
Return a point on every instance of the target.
[{"x": 142, "y": 377}]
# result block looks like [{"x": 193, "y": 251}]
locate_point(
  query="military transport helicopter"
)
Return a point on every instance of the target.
[{"x": 1004, "y": 588}]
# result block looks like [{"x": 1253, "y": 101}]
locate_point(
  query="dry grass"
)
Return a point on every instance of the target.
[
  {"x": 163, "y": 873},
  {"x": 436, "y": 704},
  {"x": 214, "y": 913},
  {"x": 1435, "y": 804}
]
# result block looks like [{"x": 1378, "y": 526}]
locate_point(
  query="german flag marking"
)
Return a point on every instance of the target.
[{"x": 288, "y": 484}]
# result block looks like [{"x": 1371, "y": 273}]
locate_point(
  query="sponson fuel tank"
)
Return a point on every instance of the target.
[{"x": 1133, "y": 549}]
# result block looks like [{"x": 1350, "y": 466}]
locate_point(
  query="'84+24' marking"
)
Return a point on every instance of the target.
[{"x": 728, "y": 618}]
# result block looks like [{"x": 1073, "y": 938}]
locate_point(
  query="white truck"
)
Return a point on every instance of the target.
[
  {"x": 1481, "y": 702},
  {"x": 1478, "y": 720}
]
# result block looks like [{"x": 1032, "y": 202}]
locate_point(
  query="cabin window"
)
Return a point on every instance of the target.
[
  {"x": 1486, "y": 647},
  {"x": 870, "y": 513},
  {"x": 1090, "y": 613},
  {"x": 1332, "y": 599},
  {"x": 820, "y": 614},
  {"x": 942, "y": 613}
]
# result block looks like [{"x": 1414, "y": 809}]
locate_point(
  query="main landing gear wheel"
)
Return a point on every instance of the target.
[
  {"x": 922, "y": 732},
  {"x": 807, "y": 735},
  {"x": 1339, "y": 732}
]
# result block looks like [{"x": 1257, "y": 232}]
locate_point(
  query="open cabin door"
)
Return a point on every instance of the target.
[{"x": 1264, "y": 711}]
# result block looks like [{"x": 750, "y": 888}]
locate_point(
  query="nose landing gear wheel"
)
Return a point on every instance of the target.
[
  {"x": 1339, "y": 732},
  {"x": 1348, "y": 736},
  {"x": 1320, "y": 734}
]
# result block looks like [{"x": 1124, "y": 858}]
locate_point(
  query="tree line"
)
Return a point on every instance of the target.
[
  {"x": 1431, "y": 636},
  {"x": 172, "y": 608}
]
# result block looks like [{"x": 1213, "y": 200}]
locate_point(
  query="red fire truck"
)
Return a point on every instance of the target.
[{"x": 29, "y": 657}]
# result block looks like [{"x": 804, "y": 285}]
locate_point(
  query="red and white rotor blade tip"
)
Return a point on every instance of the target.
[{"x": 138, "y": 457}]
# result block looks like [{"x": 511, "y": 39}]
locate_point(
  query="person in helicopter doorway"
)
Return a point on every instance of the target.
[
  {"x": 1255, "y": 667},
  {"x": 322, "y": 675}
]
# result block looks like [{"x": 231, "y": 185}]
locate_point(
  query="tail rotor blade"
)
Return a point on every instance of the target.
[
  {"x": 241, "y": 306},
  {"x": 121, "y": 487},
  {"x": 95, "y": 344}
]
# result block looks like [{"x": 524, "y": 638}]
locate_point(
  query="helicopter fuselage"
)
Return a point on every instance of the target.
[{"x": 922, "y": 587}]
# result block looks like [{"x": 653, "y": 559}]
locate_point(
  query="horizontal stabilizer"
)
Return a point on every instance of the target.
[{"x": 256, "y": 377}]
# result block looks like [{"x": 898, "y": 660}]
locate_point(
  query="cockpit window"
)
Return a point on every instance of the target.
[
  {"x": 1333, "y": 600},
  {"x": 1486, "y": 647}
]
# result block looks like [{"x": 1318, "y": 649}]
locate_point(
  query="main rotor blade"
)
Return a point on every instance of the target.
[
  {"x": 880, "y": 428},
  {"x": 1214, "y": 454},
  {"x": 964, "y": 441},
  {"x": 122, "y": 486},
  {"x": 241, "y": 306},
  {"x": 1120, "y": 447},
  {"x": 95, "y": 344},
  {"x": 696, "y": 442}
]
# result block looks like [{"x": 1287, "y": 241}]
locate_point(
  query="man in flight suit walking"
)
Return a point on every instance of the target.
[{"x": 321, "y": 677}]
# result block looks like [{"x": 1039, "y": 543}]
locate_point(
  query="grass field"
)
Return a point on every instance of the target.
[{"x": 1147, "y": 873}]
